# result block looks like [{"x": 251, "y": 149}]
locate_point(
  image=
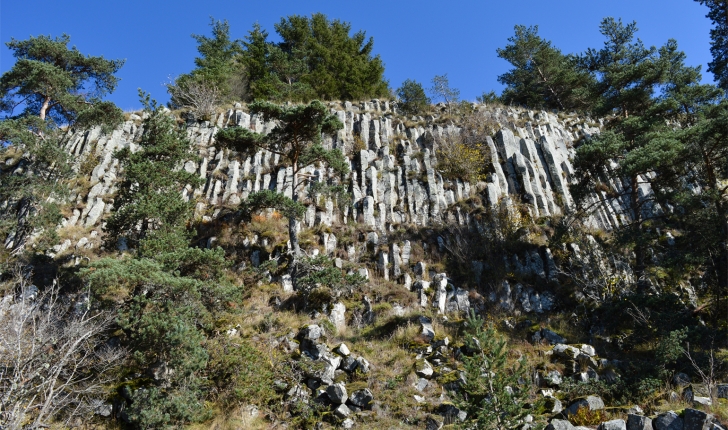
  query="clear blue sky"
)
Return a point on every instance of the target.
[{"x": 416, "y": 39}]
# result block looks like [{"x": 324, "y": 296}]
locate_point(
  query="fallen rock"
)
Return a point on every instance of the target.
[
  {"x": 361, "y": 398},
  {"x": 638, "y": 422},
  {"x": 560, "y": 425},
  {"x": 342, "y": 411},
  {"x": 593, "y": 403},
  {"x": 337, "y": 393},
  {"x": 424, "y": 369},
  {"x": 694, "y": 419},
  {"x": 613, "y": 425},
  {"x": 434, "y": 422},
  {"x": 668, "y": 421}
]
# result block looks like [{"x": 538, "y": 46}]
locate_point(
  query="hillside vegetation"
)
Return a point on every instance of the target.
[{"x": 289, "y": 245}]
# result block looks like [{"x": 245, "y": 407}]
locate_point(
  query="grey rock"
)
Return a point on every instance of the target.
[
  {"x": 421, "y": 384},
  {"x": 668, "y": 421},
  {"x": 694, "y": 419},
  {"x": 434, "y": 422},
  {"x": 681, "y": 379},
  {"x": 287, "y": 283},
  {"x": 451, "y": 412},
  {"x": 613, "y": 425},
  {"x": 342, "y": 411},
  {"x": 103, "y": 409},
  {"x": 342, "y": 350},
  {"x": 638, "y": 422},
  {"x": 566, "y": 351},
  {"x": 362, "y": 364},
  {"x": 337, "y": 393},
  {"x": 553, "y": 378},
  {"x": 338, "y": 317},
  {"x": 424, "y": 369},
  {"x": 551, "y": 337},
  {"x": 722, "y": 391},
  {"x": 427, "y": 332},
  {"x": 361, "y": 398},
  {"x": 594, "y": 403},
  {"x": 347, "y": 423},
  {"x": 560, "y": 425}
]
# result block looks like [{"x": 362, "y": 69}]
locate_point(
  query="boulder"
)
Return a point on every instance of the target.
[
  {"x": 668, "y": 421},
  {"x": 694, "y": 419},
  {"x": 560, "y": 425},
  {"x": 434, "y": 422},
  {"x": 337, "y": 393},
  {"x": 451, "y": 412},
  {"x": 613, "y": 425},
  {"x": 427, "y": 332},
  {"x": 593, "y": 403},
  {"x": 424, "y": 369},
  {"x": 638, "y": 422},
  {"x": 361, "y": 398},
  {"x": 342, "y": 411}
]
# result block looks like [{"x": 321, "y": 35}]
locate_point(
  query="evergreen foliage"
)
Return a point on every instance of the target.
[
  {"x": 718, "y": 14},
  {"x": 218, "y": 68},
  {"x": 411, "y": 97},
  {"x": 639, "y": 89},
  {"x": 494, "y": 395},
  {"x": 542, "y": 77},
  {"x": 53, "y": 87},
  {"x": 149, "y": 206},
  {"x": 297, "y": 139}
]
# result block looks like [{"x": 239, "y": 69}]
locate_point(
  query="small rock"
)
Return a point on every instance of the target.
[
  {"x": 424, "y": 369},
  {"x": 588, "y": 350},
  {"x": 342, "y": 411},
  {"x": 347, "y": 423},
  {"x": 342, "y": 350},
  {"x": 421, "y": 384},
  {"x": 427, "y": 333},
  {"x": 419, "y": 399},
  {"x": 434, "y": 422},
  {"x": 594, "y": 403}
]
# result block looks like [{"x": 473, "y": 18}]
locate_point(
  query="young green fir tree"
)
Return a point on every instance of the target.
[{"x": 496, "y": 392}]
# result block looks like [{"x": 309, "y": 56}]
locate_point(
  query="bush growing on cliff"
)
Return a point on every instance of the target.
[{"x": 412, "y": 99}]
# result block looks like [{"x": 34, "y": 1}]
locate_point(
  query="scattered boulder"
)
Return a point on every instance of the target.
[
  {"x": 560, "y": 425},
  {"x": 593, "y": 403},
  {"x": 638, "y": 422},
  {"x": 361, "y": 398},
  {"x": 427, "y": 333},
  {"x": 613, "y": 425},
  {"x": 424, "y": 369},
  {"x": 694, "y": 419},
  {"x": 434, "y": 422},
  {"x": 668, "y": 421},
  {"x": 342, "y": 411},
  {"x": 337, "y": 393}
]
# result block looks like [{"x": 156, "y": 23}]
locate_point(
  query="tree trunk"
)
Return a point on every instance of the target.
[
  {"x": 44, "y": 108},
  {"x": 293, "y": 222},
  {"x": 639, "y": 249}
]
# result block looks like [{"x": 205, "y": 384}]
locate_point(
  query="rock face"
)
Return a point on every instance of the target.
[{"x": 390, "y": 183}]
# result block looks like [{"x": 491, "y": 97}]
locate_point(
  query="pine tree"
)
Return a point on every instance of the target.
[
  {"x": 495, "y": 394},
  {"x": 632, "y": 90},
  {"x": 297, "y": 139},
  {"x": 339, "y": 66},
  {"x": 718, "y": 14},
  {"x": 542, "y": 77},
  {"x": 149, "y": 212},
  {"x": 55, "y": 88},
  {"x": 412, "y": 98}
]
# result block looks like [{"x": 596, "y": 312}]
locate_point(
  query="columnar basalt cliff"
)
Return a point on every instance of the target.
[{"x": 394, "y": 174}]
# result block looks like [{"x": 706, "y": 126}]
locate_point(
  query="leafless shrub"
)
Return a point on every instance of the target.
[
  {"x": 201, "y": 97},
  {"x": 53, "y": 364}
]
